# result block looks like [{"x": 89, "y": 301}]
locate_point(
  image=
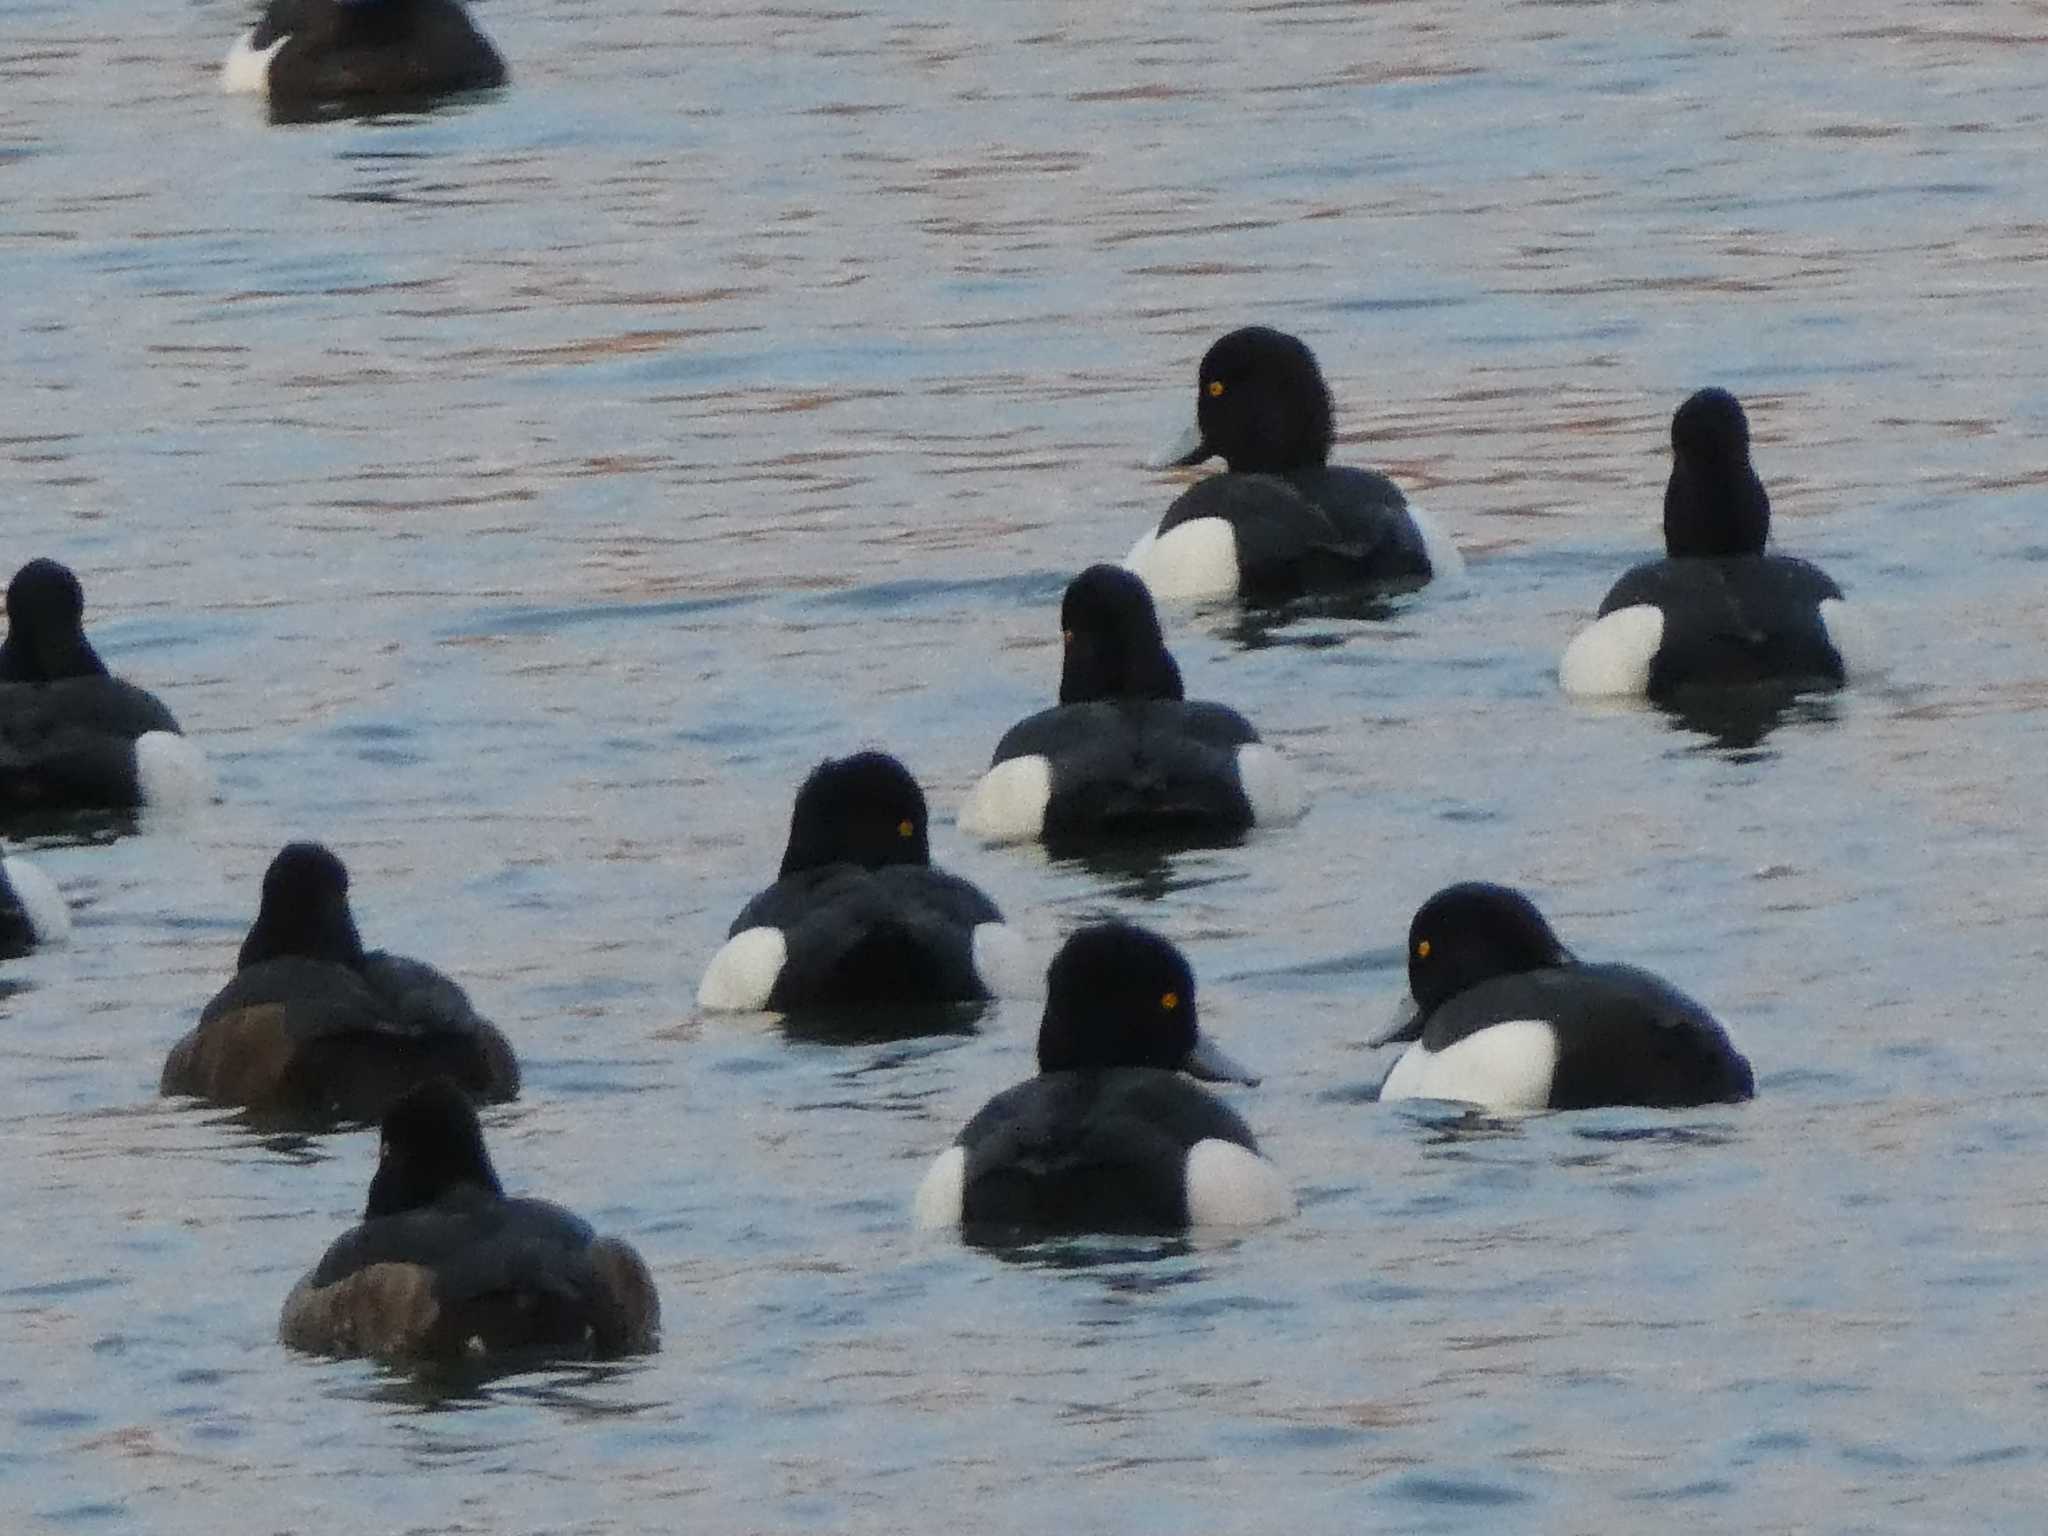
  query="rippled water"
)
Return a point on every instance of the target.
[{"x": 523, "y": 495}]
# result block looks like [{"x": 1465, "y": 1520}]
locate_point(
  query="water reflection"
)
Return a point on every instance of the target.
[
  {"x": 1450, "y": 1124},
  {"x": 86, "y": 828},
  {"x": 1122, "y": 1262},
  {"x": 882, "y": 1025},
  {"x": 383, "y": 109},
  {"x": 1736, "y": 720},
  {"x": 464, "y": 1386},
  {"x": 298, "y": 1148},
  {"x": 1257, "y": 627},
  {"x": 1147, "y": 869},
  {"x": 1458, "y": 1125},
  {"x": 1658, "y": 1135}
]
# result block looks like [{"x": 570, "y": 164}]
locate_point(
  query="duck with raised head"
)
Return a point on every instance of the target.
[
  {"x": 1501, "y": 1015},
  {"x": 857, "y": 916},
  {"x": 1717, "y": 611},
  {"x": 72, "y": 735},
  {"x": 1282, "y": 522},
  {"x": 1113, "y": 1134},
  {"x": 446, "y": 1267},
  {"x": 309, "y": 53},
  {"x": 315, "y": 1029},
  {"x": 1124, "y": 755}
]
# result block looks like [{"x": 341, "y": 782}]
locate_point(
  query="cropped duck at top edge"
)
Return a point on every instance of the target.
[
  {"x": 1111, "y": 1135},
  {"x": 303, "y": 54},
  {"x": 1501, "y": 1015},
  {"x": 1718, "y": 611},
  {"x": 1125, "y": 756},
  {"x": 1281, "y": 522}
]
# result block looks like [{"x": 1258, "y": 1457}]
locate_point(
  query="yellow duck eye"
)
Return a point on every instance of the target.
[
  {"x": 1215, "y": 389},
  {"x": 1422, "y": 949},
  {"x": 1170, "y": 1001},
  {"x": 906, "y": 828}
]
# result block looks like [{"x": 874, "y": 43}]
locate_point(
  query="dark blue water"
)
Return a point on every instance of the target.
[{"x": 522, "y": 497}]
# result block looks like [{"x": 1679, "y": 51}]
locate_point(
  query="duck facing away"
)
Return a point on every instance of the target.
[
  {"x": 1503, "y": 1016},
  {"x": 1124, "y": 755},
  {"x": 1282, "y": 522},
  {"x": 857, "y": 916},
  {"x": 314, "y": 1029},
  {"x": 305, "y": 53},
  {"x": 1111, "y": 1136},
  {"x": 444, "y": 1266},
  {"x": 1717, "y": 611},
  {"x": 72, "y": 735},
  {"x": 33, "y": 911}
]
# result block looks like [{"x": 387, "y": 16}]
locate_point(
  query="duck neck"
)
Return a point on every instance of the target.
[
  {"x": 1094, "y": 670},
  {"x": 47, "y": 658},
  {"x": 1715, "y": 509},
  {"x": 321, "y": 935}
]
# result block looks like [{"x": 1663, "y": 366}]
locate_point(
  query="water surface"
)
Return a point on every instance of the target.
[{"x": 522, "y": 496}]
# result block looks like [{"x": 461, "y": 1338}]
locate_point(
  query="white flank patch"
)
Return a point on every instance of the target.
[
  {"x": 1852, "y": 636},
  {"x": 171, "y": 772},
  {"x": 1003, "y": 961},
  {"x": 248, "y": 67},
  {"x": 1445, "y": 563},
  {"x": 1229, "y": 1186},
  {"x": 1613, "y": 655},
  {"x": 47, "y": 912},
  {"x": 1007, "y": 804},
  {"x": 1195, "y": 559},
  {"x": 1270, "y": 784},
  {"x": 743, "y": 972},
  {"x": 1506, "y": 1066},
  {"x": 943, "y": 1193}
]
